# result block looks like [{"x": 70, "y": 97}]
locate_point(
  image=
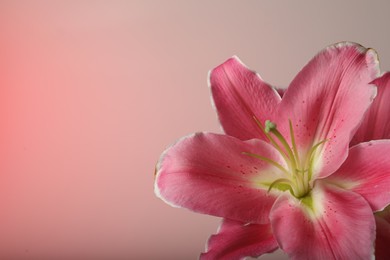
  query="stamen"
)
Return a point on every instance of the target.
[
  {"x": 268, "y": 160},
  {"x": 294, "y": 146},
  {"x": 274, "y": 130},
  {"x": 305, "y": 180},
  {"x": 283, "y": 181},
  {"x": 301, "y": 187}
]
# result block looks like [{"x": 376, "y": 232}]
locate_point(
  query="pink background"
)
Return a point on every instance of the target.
[{"x": 91, "y": 92}]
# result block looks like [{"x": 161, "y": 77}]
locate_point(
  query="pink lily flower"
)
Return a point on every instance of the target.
[
  {"x": 284, "y": 176},
  {"x": 376, "y": 126}
]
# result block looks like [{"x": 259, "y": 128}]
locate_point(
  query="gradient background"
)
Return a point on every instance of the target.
[{"x": 91, "y": 92}]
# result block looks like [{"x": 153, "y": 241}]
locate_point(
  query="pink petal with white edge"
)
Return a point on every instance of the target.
[
  {"x": 281, "y": 91},
  {"x": 236, "y": 240},
  {"x": 376, "y": 123},
  {"x": 341, "y": 226},
  {"x": 327, "y": 101},
  {"x": 208, "y": 173},
  {"x": 367, "y": 172},
  {"x": 382, "y": 242},
  {"x": 239, "y": 94}
]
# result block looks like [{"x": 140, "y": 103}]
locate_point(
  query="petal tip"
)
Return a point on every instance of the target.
[
  {"x": 346, "y": 44},
  {"x": 158, "y": 194},
  {"x": 159, "y": 168},
  {"x": 372, "y": 58},
  {"x": 238, "y": 60}
]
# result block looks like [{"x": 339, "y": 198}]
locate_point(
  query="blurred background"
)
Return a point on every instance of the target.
[{"x": 91, "y": 93}]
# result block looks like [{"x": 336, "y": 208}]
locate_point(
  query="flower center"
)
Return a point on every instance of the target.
[{"x": 298, "y": 173}]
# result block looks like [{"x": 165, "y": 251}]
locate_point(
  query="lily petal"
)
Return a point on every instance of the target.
[
  {"x": 327, "y": 228},
  {"x": 239, "y": 94},
  {"x": 382, "y": 242},
  {"x": 236, "y": 240},
  {"x": 367, "y": 172},
  {"x": 281, "y": 91},
  {"x": 208, "y": 173},
  {"x": 327, "y": 101},
  {"x": 376, "y": 123}
]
